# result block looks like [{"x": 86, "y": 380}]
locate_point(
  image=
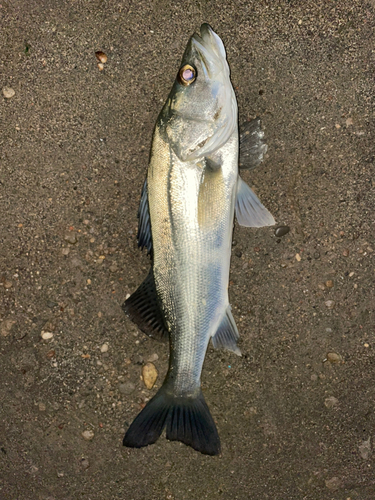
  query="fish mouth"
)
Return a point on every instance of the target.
[{"x": 211, "y": 50}]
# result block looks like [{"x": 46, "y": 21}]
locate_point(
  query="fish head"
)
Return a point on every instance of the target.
[{"x": 200, "y": 114}]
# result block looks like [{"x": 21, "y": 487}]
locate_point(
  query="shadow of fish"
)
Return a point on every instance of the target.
[{"x": 186, "y": 217}]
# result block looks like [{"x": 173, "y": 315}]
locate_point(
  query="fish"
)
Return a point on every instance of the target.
[{"x": 186, "y": 217}]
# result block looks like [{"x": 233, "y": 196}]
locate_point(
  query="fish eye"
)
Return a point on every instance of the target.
[{"x": 187, "y": 75}]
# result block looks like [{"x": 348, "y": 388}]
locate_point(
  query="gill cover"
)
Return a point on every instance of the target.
[{"x": 200, "y": 114}]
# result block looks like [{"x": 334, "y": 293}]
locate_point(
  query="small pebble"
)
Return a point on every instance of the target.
[
  {"x": 42, "y": 407},
  {"x": 349, "y": 121},
  {"x": 8, "y": 284},
  {"x": 51, "y": 354},
  {"x": 71, "y": 237},
  {"x": 333, "y": 484},
  {"x": 298, "y": 257},
  {"x": 85, "y": 464},
  {"x": 46, "y": 335},
  {"x": 365, "y": 449},
  {"x": 153, "y": 357},
  {"x": 76, "y": 262},
  {"x": 345, "y": 252},
  {"x": 329, "y": 284},
  {"x": 8, "y": 92},
  {"x": 282, "y": 231},
  {"x": 100, "y": 66},
  {"x": 101, "y": 57},
  {"x": 88, "y": 435},
  {"x": 113, "y": 268},
  {"x": 333, "y": 357},
  {"x": 149, "y": 375},
  {"x": 65, "y": 251},
  {"x": 330, "y": 304},
  {"x": 331, "y": 402},
  {"x": 104, "y": 348},
  {"x": 126, "y": 388},
  {"x": 6, "y": 327}
]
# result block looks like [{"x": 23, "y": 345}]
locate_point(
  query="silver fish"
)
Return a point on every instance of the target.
[{"x": 186, "y": 221}]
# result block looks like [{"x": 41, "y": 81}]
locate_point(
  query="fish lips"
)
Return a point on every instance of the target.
[{"x": 210, "y": 40}]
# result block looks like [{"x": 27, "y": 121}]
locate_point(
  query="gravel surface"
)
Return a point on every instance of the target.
[{"x": 296, "y": 412}]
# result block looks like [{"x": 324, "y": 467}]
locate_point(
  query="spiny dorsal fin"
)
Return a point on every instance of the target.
[
  {"x": 143, "y": 309},
  {"x": 249, "y": 210},
  {"x": 227, "y": 334},
  {"x": 144, "y": 235}
]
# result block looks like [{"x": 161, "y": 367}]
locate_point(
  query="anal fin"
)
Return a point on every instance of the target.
[
  {"x": 143, "y": 309},
  {"x": 227, "y": 334}
]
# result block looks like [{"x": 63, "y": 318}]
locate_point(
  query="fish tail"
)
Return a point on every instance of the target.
[{"x": 187, "y": 419}]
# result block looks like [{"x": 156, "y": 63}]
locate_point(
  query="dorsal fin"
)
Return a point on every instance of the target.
[{"x": 144, "y": 235}]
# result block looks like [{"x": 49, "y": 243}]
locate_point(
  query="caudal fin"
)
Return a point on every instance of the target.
[{"x": 187, "y": 420}]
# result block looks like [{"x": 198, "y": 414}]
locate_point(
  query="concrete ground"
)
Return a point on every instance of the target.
[{"x": 296, "y": 412}]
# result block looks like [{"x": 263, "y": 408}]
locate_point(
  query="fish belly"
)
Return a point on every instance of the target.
[{"x": 191, "y": 211}]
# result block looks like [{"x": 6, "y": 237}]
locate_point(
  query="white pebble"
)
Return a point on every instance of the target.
[
  {"x": 153, "y": 357},
  {"x": 104, "y": 348},
  {"x": 330, "y": 304},
  {"x": 331, "y": 402},
  {"x": 88, "y": 435},
  {"x": 8, "y": 92},
  {"x": 46, "y": 335}
]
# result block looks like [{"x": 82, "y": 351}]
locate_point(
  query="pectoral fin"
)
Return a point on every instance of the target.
[
  {"x": 249, "y": 210},
  {"x": 227, "y": 334},
  {"x": 144, "y": 235},
  {"x": 143, "y": 309}
]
